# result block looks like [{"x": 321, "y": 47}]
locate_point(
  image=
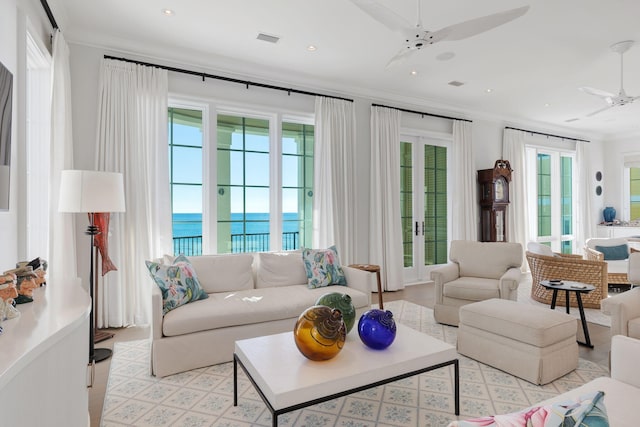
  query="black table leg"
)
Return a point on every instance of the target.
[
  {"x": 553, "y": 299},
  {"x": 585, "y": 329},
  {"x": 456, "y": 370},
  {"x": 566, "y": 296},
  {"x": 235, "y": 381}
]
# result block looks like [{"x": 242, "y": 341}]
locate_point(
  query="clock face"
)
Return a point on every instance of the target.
[{"x": 499, "y": 189}]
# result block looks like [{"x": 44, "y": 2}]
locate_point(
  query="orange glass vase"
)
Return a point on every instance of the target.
[{"x": 320, "y": 333}]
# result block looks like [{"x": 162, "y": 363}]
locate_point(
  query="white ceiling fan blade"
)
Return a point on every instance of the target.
[
  {"x": 597, "y": 92},
  {"x": 401, "y": 56},
  {"x": 599, "y": 111},
  {"x": 384, "y": 15},
  {"x": 475, "y": 26}
]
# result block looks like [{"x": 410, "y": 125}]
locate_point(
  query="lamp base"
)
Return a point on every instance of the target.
[{"x": 100, "y": 354}]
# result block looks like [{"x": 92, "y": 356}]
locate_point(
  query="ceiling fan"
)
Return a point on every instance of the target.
[
  {"x": 613, "y": 100},
  {"x": 416, "y": 37}
]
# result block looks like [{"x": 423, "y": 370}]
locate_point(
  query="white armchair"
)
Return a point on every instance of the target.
[
  {"x": 624, "y": 308},
  {"x": 477, "y": 271},
  {"x": 601, "y": 249}
]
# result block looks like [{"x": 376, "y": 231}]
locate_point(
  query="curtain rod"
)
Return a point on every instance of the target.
[
  {"x": 247, "y": 83},
  {"x": 547, "y": 134},
  {"x": 47, "y": 9},
  {"x": 421, "y": 113}
]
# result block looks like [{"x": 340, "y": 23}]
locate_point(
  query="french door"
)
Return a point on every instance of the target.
[{"x": 424, "y": 205}]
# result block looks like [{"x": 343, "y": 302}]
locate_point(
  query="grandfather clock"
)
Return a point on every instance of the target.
[{"x": 494, "y": 200}]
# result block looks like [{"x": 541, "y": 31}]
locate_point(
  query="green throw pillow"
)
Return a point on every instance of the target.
[
  {"x": 614, "y": 253},
  {"x": 177, "y": 281},
  {"x": 323, "y": 267}
]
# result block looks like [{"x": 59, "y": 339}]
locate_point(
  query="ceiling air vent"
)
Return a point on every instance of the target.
[
  {"x": 455, "y": 83},
  {"x": 268, "y": 38}
]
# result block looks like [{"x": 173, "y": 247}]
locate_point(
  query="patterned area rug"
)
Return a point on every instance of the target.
[
  {"x": 204, "y": 397},
  {"x": 593, "y": 315}
]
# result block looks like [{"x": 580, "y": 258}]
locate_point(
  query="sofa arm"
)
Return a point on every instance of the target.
[
  {"x": 622, "y": 308},
  {"x": 509, "y": 283},
  {"x": 625, "y": 352},
  {"x": 360, "y": 280},
  {"x": 442, "y": 275},
  {"x": 156, "y": 313}
]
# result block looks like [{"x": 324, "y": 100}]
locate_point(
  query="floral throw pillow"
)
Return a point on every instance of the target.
[
  {"x": 323, "y": 267},
  {"x": 587, "y": 410},
  {"x": 177, "y": 281}
]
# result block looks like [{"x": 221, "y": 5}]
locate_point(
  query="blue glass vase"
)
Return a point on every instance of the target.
[
  {"x": 377, "y": 329},
  {"x": 609, "y": 214}
]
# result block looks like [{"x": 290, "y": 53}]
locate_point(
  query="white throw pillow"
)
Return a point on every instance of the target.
[
  {"x": 223, "y": 273},
  {"x": 539, "y": 249},
  {"x": 280, "y": 269}
]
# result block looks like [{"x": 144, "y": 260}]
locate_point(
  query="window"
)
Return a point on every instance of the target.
[
  {"x": 554, "y": 205},
  {"x": 185, "y": 160},
  {"x": 259, "y": 179},
  {"x": 634, "y": 194}
]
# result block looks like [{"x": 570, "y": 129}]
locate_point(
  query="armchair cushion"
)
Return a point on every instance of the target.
[
  {"x": 485, "y": 259},
  {"x": 612, "y": 253},
  {"x": 471, "y": 289}
]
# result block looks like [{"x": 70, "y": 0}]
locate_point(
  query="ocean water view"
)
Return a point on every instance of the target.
[
  {"x": 252, "y": 235},
  {"x": 190, "y": 224}
]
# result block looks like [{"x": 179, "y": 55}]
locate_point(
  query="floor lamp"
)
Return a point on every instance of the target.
[{"x": 92, "y": 192}]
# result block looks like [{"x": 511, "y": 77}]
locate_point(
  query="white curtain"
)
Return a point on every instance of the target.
[
  {"x": 464, "y": 188},
  {"x": 334, "y": 177},
  {"x": 385, "y": 228},
  {"x": 62, "y": 230},
  {"x": 586, "y": 227},
  {"x": 132, "y": 139},
  {"x": 513, "y": 150}
]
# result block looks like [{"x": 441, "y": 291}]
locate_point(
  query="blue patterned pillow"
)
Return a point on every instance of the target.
[
  {"x": 323, "y": 267},
  {"x": 178, "y": 283},
  {"x": 614, "y": 253}
]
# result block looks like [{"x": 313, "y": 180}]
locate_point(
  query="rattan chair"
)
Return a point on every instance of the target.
[{"x": 570, "y": 268}]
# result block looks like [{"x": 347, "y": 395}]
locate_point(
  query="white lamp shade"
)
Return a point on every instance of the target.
[{"x": 91, "y": 191}]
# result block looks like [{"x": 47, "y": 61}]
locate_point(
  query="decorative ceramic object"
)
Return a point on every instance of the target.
[
  {"x": 343, "y": 303},
  {"x": 320, "y": 332},
  {"x": 377, "y": 329},
  {"x": 609, "y": 214}
]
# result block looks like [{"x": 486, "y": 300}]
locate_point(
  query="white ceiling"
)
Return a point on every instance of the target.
[{"x": 540, "y": 58}]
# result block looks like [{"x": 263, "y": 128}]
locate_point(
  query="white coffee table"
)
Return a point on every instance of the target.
[{"x": 287, "y": 381}]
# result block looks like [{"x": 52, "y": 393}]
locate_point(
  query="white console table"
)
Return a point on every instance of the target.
[
  {"x": 611, "y": 231},
  {"x": 43, "y": 360}
]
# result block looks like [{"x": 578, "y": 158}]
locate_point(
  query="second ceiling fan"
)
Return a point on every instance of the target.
[{"x": 416, "y": 37}]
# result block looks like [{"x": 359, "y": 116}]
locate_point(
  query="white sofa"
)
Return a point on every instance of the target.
[
  {"x": 621, "y": 390},
  {"x": 250, "y": 295}
]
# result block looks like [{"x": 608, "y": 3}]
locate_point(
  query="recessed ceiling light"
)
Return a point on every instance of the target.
[
  {"x": 413, "y": 72},
  {"x": 445, "y": 56},
  {"x": 312, "y": 48},
  {"x": 547, "y": 105},
  {"x": 489, "y": 90},
  {"x": 168, "y": 12}
]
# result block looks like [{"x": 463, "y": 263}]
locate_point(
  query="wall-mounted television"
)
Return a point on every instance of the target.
[{"x": 6, "y": 90}]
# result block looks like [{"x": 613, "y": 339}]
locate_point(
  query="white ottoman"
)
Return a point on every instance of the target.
[{"x": 530, "y": 342}]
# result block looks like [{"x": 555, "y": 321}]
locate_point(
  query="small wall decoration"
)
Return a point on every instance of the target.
[
  {"x": 598, "y": 176},
  {"x": 598, "y": 190}
]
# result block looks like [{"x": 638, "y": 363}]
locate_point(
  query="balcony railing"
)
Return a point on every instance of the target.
[{"x": 256, "y": 242}]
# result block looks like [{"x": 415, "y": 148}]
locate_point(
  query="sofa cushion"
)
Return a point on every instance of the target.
[
  {"x": 471, "y": 289},
  {"x": 614, "y": 253},
  {"x": 323, "y": 267},
  {"x": 227, "y": 309},
  {"x": 177, "y": 281},
  {"x": 280, "y": 269},
  {"x": 223, "y": 273}
]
